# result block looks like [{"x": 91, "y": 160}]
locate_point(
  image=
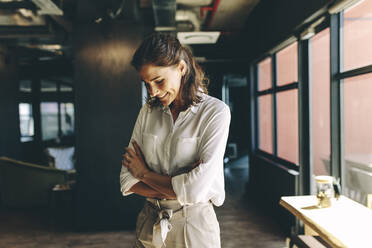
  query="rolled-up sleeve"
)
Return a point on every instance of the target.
[
  {"x": 127, "y": 180},
  {"x": 198, "y": 184}
]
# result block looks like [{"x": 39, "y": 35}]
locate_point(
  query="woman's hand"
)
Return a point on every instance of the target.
[{"x": 135, "y": 162}]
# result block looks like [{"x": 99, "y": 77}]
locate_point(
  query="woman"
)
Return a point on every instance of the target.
[{"x": 175, "y": 157}]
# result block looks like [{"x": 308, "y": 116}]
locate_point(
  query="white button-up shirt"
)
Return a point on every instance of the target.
[{"x": 171, "y": 148}]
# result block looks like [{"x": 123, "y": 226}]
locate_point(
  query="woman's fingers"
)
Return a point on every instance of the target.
[
  {"x": 125, "y": 163},
  {"x": 127, "y": 157},
  {"x": 130, "y": 152},
  {"x": 137, "y": 149}
]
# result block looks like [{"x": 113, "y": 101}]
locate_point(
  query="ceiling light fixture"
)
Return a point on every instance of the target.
[
  {"x": 310, "y": 31},
  {"x": 198, "y": 37}
]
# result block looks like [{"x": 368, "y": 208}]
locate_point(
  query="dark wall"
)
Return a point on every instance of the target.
[
  {"x": 108, "y": 99},
  {"x": 239, "y": 96},
  {"x": 271, "y": 22},
  {"x": 267, "y": 183},
  {"x": 9, "y": 120}
]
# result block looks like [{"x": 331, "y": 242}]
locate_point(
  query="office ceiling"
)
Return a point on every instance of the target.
[{"x": 47, "y": 25}]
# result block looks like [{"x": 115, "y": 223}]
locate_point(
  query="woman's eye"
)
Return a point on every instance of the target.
[{"x": 160, "y": 82}]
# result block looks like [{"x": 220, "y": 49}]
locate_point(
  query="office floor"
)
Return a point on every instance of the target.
[{"x": 242, "y": 224}]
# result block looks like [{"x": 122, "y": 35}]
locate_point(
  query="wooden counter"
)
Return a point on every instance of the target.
[{"x": 345, "y": 224}]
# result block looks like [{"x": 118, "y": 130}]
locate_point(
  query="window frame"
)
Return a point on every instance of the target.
[
  {"x": 36, "y": 97},
  {"x": 274, "y": 90},
  {"x": 303, "y": 87},
  {"x": 306, "y": 170},
  {"x": 335, "y": 23},
  {"x": 337, "y": 76}
]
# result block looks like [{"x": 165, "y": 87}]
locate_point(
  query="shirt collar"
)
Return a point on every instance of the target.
[
  {"x": 164, "y": 108},
  {"x": 192, "y": 108}
]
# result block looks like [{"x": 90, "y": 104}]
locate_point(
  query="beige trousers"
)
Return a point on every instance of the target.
[{"x": 193, "y": 226}]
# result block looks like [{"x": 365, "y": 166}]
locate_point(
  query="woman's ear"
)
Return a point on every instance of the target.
[{"x": 183, "y": 67}]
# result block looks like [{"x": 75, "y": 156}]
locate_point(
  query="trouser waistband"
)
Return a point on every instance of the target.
[
  {"x": 172, "y": 204},
  {"x": 165, "y": 204}
]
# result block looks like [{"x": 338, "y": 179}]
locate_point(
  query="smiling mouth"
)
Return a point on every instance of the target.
[{"x": 162, "y": 97}]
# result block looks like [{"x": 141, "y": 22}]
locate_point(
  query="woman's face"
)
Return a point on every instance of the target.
[{"x": 163, "y": 82}]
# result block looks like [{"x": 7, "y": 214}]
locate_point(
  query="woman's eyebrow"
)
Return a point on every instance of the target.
[
  {"x": 155, "y": 78},
  {"x": 152, "y": 79}
]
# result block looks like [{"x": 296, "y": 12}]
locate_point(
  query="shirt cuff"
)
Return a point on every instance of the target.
[
  {"x": 127, "y": 185},
  {"x": 179, "y": 188}
]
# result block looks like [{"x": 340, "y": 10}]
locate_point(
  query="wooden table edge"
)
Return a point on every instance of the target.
[{"x": 322, "y": 233}]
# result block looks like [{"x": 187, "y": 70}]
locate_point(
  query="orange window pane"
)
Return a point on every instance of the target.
[
  {"x": 358, "y": 137},
  {"x": 264, "y": 74},
  {"x": 286, "y": 61},
  {"x": 358, "y": 35},
  {"x": 320, "y": 102},
  {"x": 266, "y": 123},
  {"x": 287, "y": 125},
  {"x": 358, "y": 114}
]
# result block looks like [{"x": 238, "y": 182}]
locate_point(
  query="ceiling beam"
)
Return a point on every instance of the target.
[
  {"x": 17, "y": 5},
  {"x": 10, "y": 32},
  {"x": 66, "y": 24},
  {"x": 47, "y": 7}
]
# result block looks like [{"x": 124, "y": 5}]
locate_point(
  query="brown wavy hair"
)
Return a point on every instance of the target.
[{"x": 165, "y": 50}]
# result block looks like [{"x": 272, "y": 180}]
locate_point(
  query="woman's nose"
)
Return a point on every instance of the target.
[{"x": 153, "y": 91}]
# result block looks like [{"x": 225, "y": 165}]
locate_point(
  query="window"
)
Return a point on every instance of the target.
[
  {"x": 26, "y": 122},
  {"x": 49, "y": 120},
  {"x": 278, "y": 98},
  {"x": 339, "y": 70},
  {"x": 25, "y": 86},
  {"x": 266, "y": 123},
  {"x": 287, "y": 126},
  {"x": 265, "y": 106},
  {"x": 47, "y": 86},
  {"x": 66, "y": 88},
  {"x": 264, "y": 74},
  {"x": 286, "y": 61},
  {"x": 357, "y": 101},
  {"x": 358, "y": 136},
  {"x": 54, "y": 99},
  {"x": 67, "y": 118},
  {"x": 26, "y": 119},
  {"x": 320, "y": 102},
  {"x": 287, "y": 103},
  {"x": 358, "y": 35}
]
